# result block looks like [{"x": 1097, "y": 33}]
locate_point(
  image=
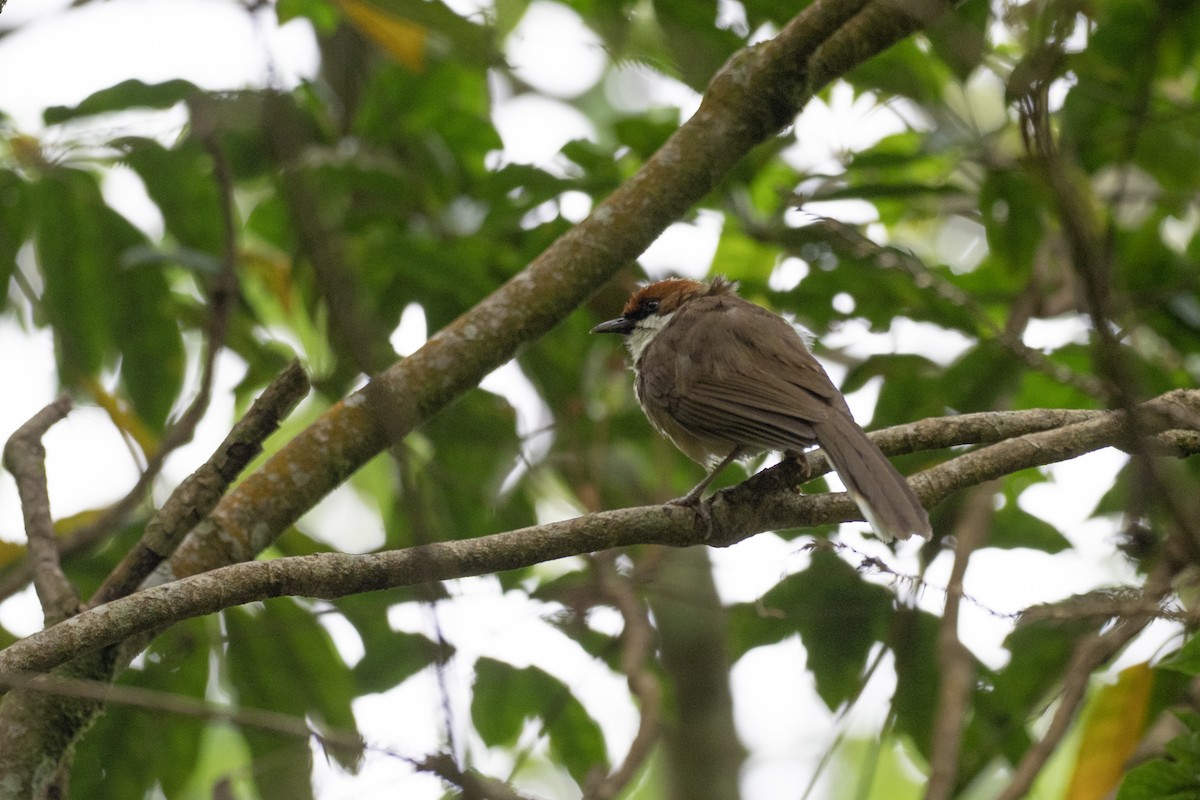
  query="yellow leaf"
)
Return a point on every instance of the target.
[
  {"x": 10, "y": 552},
  {"x": 27, "y": 152},
  {"x": 123, "y": 417},
  {"x": 403, "y": 38},
  {"x": 273, "y": 270},
  {"x": 1112, "y": 729},
  {"x": 65, "y": 526}
]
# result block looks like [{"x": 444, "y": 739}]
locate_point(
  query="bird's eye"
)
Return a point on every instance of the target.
[{"x": 651, "y": 305}]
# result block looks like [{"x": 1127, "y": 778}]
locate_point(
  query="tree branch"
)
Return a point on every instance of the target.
[
  {"x": 25, "y": 458},
  {"x": 195, "y": 498},
  {"x": 766, "y": 501},
  {"x": 759, "y": 91}
]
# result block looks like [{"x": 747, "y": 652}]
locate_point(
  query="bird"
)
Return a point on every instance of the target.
[{"x": 724, "y": 378}]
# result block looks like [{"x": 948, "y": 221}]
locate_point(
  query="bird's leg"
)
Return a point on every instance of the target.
[{"x": 692, "y": 498}]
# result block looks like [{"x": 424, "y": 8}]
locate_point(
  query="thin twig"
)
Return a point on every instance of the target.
[
  {"x": 1091, "y": 240},
  {"x": 1091, "y": 652},
  {"x": 1104, "y": 604},
  {"x": 474, "y": 785},
  {"x": 355, "y": 326},
  {"x": 170, "y": 703},
  {"x": 25, "y": 458},
  {"x": 956, "y": 665},
  {"x": 637, "y": 650}
]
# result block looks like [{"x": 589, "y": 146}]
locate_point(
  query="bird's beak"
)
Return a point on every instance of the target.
[{"x": 620, "y": 325}]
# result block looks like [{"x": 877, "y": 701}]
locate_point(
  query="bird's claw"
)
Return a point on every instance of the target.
[{"x": 700, "y": 508}]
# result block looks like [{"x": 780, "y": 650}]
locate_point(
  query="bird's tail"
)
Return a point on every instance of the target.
[{"x": 881, "y": 492}]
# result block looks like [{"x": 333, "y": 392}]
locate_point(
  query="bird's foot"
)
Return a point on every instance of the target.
[{"x": 700, "y": 508}]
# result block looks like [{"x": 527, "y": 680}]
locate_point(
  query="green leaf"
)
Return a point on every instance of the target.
[
  {"x": 959, "y": 37},
  {"x": 905, "y": 394},
  {"x": 125, "y": 95},
  {"x": 1171, "y": 153},
  {"x": 1186, "y": 659},
  {"x": 1173, "y": 778},
  {"x": 322, "y": 14},
  {"x": 981, "y": 376},
  {"x": 181, "y": 183},
  {"x": 391, "y": 656},
  {"x": 79, "y": 270},
  {"x": 96, "y": 306},
  {"x": 1039, "y": 390},
  {"x": 645, "y": 134},
  {"x": 903, "y": 70},
  {"x": 1010, "y": 201},
  {"x": 282, "y": 639},
  {"x": 475, "y": 447},
  {"x": 697, "y": 47},
  {"x": 390, "y": 660},
  {"x": 468, "y": 42},
  {"x": 15, "y": 221},
  {"x": 1040, "y": 653},
  {"x": 505, "y": 697},
  {"x": 1012, "y": 527},
  {"x": 913, "y": 638},
  {"x": 151, "y": 344},
  {"x": 837, "y": 613},
  {"x": 740, "y": 256}
]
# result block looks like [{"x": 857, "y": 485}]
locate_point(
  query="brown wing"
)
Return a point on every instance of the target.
[{"x": 727, "y": 369}]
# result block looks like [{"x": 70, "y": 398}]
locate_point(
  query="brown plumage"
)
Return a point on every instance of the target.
[{"x": 722, "y": 377}]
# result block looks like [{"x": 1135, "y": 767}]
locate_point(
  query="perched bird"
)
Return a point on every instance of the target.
[{"x": 723, "y": 378}]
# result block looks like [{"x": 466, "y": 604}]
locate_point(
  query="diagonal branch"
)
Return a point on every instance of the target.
[
  {"x": 765, "y": 502},
  {"x": 199, "y": 493},
  {"x": 170, "y": 703}
]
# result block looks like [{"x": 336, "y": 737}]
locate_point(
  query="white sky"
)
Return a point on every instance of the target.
[{"x": 216, "y": 45}]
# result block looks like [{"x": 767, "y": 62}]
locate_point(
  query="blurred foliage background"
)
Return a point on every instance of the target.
[{"x": 307, "y": 221}]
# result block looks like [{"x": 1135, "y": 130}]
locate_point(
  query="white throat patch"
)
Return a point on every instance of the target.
[{"x": 644, "y": 332}]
